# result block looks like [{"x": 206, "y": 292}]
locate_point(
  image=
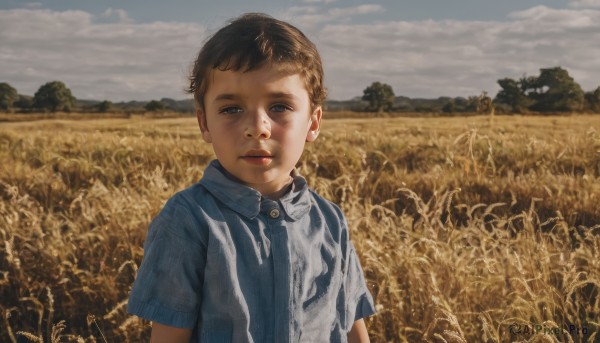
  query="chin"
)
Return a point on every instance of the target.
[{"x": 259, "y": 178}]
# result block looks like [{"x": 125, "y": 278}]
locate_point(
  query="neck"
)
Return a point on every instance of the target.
[{"x": 278, "y": 194}]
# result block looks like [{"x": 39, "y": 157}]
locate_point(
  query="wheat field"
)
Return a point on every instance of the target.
[{"x": 468, "y": 229}]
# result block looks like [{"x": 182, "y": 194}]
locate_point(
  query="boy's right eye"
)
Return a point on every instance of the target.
[{"x": 230, "y": 110}]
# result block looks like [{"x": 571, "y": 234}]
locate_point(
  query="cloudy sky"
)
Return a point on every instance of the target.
[{"x": 141, "y": 50}]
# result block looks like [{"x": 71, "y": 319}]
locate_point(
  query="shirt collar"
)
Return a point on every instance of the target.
[{"x": 247, "y": 201}]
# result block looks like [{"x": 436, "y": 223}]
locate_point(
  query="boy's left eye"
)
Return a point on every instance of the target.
[{"x": 280, "y": 108}]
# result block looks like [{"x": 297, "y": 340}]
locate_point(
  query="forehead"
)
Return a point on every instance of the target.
[{"x": 264, "y": 80}]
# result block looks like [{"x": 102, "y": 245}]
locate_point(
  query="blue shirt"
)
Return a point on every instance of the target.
[{"x": 237, "y": 267}]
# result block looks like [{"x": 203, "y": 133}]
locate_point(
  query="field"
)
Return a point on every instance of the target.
[{"x": 468, "y": 229}]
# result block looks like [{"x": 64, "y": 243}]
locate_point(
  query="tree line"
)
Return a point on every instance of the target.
[
  {"x": 552, "y": 91},
  {"x": 55, "y": 96},
  {"x": 52, "y": 96}
]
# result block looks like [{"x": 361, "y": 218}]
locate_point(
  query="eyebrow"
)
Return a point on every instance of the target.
[
  {"x": 226, "y": 97},
  {"x": 273, "y": 95}
]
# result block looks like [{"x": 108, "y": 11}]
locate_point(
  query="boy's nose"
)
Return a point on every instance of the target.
[{"x": 258, "y": 125}]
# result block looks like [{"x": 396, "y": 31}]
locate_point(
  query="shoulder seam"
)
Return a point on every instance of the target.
[{"x": 180, "y": 202}]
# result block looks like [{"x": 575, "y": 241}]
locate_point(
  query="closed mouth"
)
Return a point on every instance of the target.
[{"x": 257, "y": 154}]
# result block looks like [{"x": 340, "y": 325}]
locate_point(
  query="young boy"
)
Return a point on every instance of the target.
[{"x": 250, "y": 253}]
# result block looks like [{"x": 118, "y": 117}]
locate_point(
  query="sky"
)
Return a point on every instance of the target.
[{"x": 143, "y": 50}]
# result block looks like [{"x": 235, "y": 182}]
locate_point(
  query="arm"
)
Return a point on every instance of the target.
[
  {"x": 162, "y": 333},
  {"x": 358, "y": 333}
]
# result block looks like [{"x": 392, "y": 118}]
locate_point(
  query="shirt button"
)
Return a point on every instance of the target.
[{"x": 274, "y": 213}]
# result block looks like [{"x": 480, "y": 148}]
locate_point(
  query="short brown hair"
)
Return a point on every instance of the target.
[{"x": 252, "y": 41}]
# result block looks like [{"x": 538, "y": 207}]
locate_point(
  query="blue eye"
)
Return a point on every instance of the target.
[
  {"x": 280, "y": 108},
  {"x": 231, "y": 110}
]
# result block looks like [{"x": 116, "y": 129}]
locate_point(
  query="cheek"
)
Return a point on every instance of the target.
[
  {"x": 225, "y": 131},
  {"x": 294, "y": 140},
  {"x": 288, "y": 133},
  {"x": 223, "y": 141}
]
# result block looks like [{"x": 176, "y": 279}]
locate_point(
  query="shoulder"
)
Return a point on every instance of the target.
[
  {"x": 326, "y": 206},
  {"x": 331, "y": 214},
  {"x": 182, "y": 207},
  {"x": 187, "y": 200},
  {"x": 184, "y": 215}
]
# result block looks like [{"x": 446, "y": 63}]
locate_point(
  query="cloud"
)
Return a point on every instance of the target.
[
  {"x": 318, "y": 1},
  {"x": 584, "y": 3},
  {"x": 97, "y": 60},
  {"x": 126, "y": 60},
  {"x": 459, "y": 58},
  {"x": 357, "y": 10},
  {"x": 33, "y": 5},
  {"x": 311, "y": 16},
  {"x": 120, "y": 14}
]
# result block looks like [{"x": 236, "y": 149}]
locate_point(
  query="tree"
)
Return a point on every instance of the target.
[
  {"x": 24, "y": 102},
  {"x": 472, "y": 104},
  {"x": 513, "y": 94},
  {"x": 528, "y": 84},
  {"x": 592, "y": 100},
  {"x": 485, "y": 105},
  {"x": 380, "y": 96},
  {"x": 154, "y": 106},
  {"x": 8, "y": 96},
  {"x": 556, "y": 91},
  {"x": 449, "y": 107},
  {"x": 169, "y": 103},
  {"x": 104, "y": 106},
  {"x": 54, "y": 96}
]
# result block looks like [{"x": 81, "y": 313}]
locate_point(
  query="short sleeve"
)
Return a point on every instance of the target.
[
  {"x": 168, "y": 285},
  {"x": 359, "y": 301}
]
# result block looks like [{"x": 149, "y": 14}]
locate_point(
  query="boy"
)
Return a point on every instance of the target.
[{"x": 250, "y": 253}]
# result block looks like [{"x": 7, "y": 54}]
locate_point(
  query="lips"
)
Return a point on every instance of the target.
[
  {"x": 258, "y": 153},
  {"x": 257, "y": 157}
]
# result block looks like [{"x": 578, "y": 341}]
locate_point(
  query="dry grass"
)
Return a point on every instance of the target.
[{"x": 466, "y": 228}]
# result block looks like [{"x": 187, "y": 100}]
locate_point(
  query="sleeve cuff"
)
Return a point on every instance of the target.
[
  {"x": 364, "y": 307},
  {"x": 162, "y": 315}
]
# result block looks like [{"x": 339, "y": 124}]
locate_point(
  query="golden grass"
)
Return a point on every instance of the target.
[{"x": 466, "y": 228}]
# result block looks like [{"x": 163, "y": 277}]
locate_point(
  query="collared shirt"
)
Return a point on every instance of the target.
[{"x": 238, "y": 267}]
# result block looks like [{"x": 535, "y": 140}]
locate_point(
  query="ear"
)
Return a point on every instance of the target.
[
  {"x": 201, "y": 116},
  {"x": 315, "y": 124}
]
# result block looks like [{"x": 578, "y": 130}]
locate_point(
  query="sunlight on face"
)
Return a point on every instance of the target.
[{"x": 258, "y": 123}]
